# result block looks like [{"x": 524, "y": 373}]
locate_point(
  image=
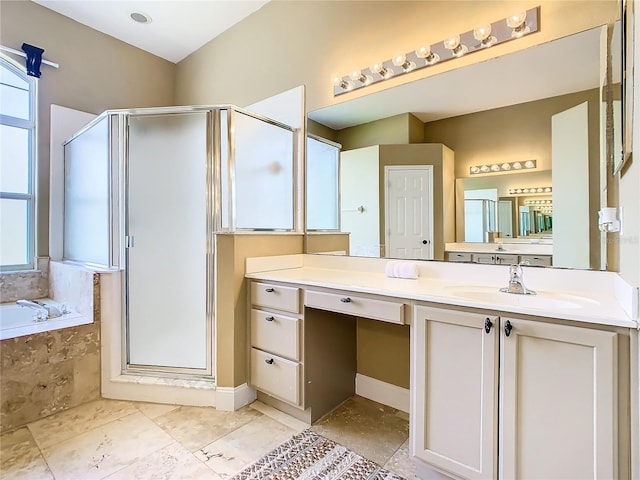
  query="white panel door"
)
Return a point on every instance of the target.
[
  {"x": 360, "y": 200},
  {"x": 167, "y": 264},
  {"x": 409, "y": 212},
  {"x": 558, "y": 398},
  {"x": 570, "y": 179},
  {"x": 454, "y": 391}
]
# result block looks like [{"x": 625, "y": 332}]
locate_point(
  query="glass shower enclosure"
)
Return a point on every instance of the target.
[{"x": 147, "y": 191}]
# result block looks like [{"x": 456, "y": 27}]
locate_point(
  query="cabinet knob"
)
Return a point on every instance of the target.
[
  {"x": 269, "y": 290},
  {"x": 487, "y": 325},
  {"x": 269, "y": 361},
  {"x": 507, "y": 328},
  {"x": 424, "y": 242},
  {"x": 269, "y": 319},
  {"x": 345, "y": 300}
]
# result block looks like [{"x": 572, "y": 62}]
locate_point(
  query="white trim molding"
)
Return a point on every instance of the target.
[
  {"x": 233, "y": 398},
  {"x": 382, "y": 392}
]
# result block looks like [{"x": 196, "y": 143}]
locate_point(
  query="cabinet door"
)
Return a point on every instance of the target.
[
  {"x": 557, "y": 402},
  {"x": 454, "y": 392},
  {"x": 484, "y": 258}
]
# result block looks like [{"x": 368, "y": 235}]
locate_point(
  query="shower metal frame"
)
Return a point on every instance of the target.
[{"x": 118, "y": 141}]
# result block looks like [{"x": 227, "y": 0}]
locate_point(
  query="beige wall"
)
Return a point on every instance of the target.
[
  {"x": 391, "y": 130},
  {"x": 231, "y": 305},
  {"x": 383, "y": 351},
  {"x": 97, "y": 72}
]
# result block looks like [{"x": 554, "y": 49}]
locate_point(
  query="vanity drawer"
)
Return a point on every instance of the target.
[
  {"x": 385, "y": 310},
  {"x": 484, "y": 258},
  {"x": 502, "y": 259},
  {"x": 276, "y": 333},
  {"x": 537, "y": 260},
  {"x": 458, "y": 257},
  {"x": 276, "y": 376},
  {"x": 275, "y": 296}
]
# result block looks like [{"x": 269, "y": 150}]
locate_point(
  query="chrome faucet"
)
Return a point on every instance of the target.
[
  {"x": 516, "y": 283},
  {"x": 43, "y": 311}
]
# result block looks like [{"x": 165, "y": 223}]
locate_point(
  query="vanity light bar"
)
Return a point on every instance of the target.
[
  {"x": 538, "y": 202},
  {"x": 502, "y": 167},
  {"x": 529, "y": 191},
  {"x": 484, "y": 36}
]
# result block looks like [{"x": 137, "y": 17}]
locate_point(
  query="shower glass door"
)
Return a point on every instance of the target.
[{"x": 169, "y": 245}]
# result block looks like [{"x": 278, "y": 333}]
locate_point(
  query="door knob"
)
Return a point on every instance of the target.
[{"x": 424, "y": 242}]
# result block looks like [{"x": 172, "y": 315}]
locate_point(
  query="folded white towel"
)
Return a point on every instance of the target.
[{"x": 401, "y": 270}]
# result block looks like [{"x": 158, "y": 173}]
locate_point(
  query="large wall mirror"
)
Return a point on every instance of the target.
[{"x": 510, "y": 155}]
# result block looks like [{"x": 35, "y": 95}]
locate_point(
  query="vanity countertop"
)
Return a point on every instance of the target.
[{"x": 589, "y": 307}]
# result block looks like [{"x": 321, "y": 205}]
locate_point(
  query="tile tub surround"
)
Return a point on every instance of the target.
[
  {"x": 49, "y": 372},
  {"x": 29, "y": 284},
  {"x": 125, "y": 440}
]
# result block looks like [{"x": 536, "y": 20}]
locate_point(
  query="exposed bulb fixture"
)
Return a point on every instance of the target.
[
  {"x": 453, "y": 44},
  {"x": 358, "y": 76},
  {"x": 428, "y": 56},
  {"x": 483, "y": 35},
  {"x": 517, "y": 23},
  {"x": 530, "y": 190},
  {"x": 458, "y": 44},
  {"x": 402, "y": 62},
  {"x": 381, "y": 70},
  {"x": 504, "y": 167}
]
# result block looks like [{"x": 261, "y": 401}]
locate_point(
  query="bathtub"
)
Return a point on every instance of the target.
[{"x": 16, "y": 321}]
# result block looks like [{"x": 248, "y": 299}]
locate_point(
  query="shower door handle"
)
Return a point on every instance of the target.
[{"x": 128, "y": 241}]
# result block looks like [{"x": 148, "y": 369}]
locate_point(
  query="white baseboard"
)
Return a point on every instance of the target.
[
  {"x": 233, "y": 398},
  {"x": 382, "y": 392}
]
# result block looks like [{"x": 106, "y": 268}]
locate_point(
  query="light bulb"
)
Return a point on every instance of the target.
[
  {"x": 474, "y": 170},
  {"x": 516, "y": 20},
  {"x": 358, "y": 76},
  {"x": 547, "y": 189},
  {"x": 429, "y": 56},
  {"x": 402, "y": 62},
  {"x": 517, "y": 23},
  {"x": 516, "y": 165},
  {"x": 453, "y": 44},
  {"x": 529, "y": 164},
  {"x": 506, "y": 166},
  {"x": 495, "y": 167},
  {"x": 484, "y": 169},
  {"x": 380, "y": 69},
  {"x": 483, "y": 34},
  {"x": 339, "y": 82}
]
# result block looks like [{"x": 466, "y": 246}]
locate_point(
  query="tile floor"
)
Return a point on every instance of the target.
[{"x": 112, "y": 439}]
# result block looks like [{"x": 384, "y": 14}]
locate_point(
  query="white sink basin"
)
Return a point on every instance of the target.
[{"x": 542, "y": 300}]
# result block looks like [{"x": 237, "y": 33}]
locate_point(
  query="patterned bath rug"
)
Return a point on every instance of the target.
[{"x": 309, "y": 456}]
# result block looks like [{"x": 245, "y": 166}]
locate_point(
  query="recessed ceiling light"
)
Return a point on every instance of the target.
[{"x": 140, "y": 17}]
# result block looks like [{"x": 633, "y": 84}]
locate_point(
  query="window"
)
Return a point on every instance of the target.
[{"x": 17, "y": 167}]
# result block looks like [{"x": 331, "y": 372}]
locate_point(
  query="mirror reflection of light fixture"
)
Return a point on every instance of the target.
[
  {"x": 517, "y": 23},
  {"x": 381, "y": 70},
  {"x": 358, "y": 76},
  {"x": 502, "y": 167},
  {"x": 453, "y": 44},
  {"x": 483, "y": 35},
  {"x": 429, "y": 57},
  {"x": 538, "y": 202},
  {"x": 402, "y": 62},
  {"x": 529, "y": 191}
]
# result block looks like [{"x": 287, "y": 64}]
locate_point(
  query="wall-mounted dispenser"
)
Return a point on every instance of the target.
[{"x": 608, "y": 220}]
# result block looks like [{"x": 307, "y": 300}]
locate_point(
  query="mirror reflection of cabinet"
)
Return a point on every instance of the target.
[{"x": 363, "y": 196}]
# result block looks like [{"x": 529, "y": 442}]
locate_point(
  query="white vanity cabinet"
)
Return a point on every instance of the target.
[
  {"x": 506, "y": 397},
  {"x": 276, "y": 341}
]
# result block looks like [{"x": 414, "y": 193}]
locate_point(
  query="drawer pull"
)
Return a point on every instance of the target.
[
  {"x": 507, "y": 328},
  {"x": 345, "y": 300},
  {"x": 269, "y": 290},
  {"x": 487, "y": 325},
  {"x": 269, "y": 361},
  {"x": 269, "y": 319}
]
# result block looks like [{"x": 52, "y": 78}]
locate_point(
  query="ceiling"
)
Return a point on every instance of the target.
[
  {"x": 567, "y": 65},
  {"x": 177, "y": 27}
]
